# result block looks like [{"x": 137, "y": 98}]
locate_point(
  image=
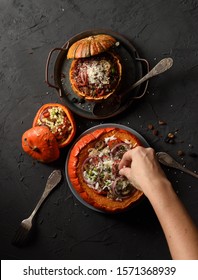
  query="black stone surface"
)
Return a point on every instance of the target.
[{"x": 64, "y": 228}]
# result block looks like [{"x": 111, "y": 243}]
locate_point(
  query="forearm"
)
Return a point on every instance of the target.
[{"x": 180, "y": 231}]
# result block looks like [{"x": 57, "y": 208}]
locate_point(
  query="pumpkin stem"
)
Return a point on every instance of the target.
[{"x": 35, "y": 149}]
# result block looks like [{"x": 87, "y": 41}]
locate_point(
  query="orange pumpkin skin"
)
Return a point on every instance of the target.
[
  {"x": 90, "y": 46},
  {"x": 78, "y": 155},
  {"x": 66, "y": 137},
  {"x": 40, "y": 144}
]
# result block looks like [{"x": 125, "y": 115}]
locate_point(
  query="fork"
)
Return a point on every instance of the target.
[{"x": 25, "y": 227}]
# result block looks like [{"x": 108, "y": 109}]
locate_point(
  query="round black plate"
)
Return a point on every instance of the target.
[
  {"x": 75, "y": 193},
  {"x": 132, "y": 71}
]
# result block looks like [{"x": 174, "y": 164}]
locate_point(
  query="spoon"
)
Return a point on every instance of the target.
[
  {"x": 113, "y": 103},
  {"x": 167, "y": 160}
]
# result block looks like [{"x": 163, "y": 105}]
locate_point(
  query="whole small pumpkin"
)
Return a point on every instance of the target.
[{"x": 40, "y": 143}]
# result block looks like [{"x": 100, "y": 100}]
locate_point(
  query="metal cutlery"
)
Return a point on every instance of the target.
[
  {"x": 167, "y": 160},
  {"x": 26, "y": 225},
  {"x": 113, "y": 103}
]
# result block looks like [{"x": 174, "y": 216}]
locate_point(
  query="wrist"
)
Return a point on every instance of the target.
[{"x": 157, "y": 188}]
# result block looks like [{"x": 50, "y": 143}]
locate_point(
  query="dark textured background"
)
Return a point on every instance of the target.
[{"x": 64, "y": 228}]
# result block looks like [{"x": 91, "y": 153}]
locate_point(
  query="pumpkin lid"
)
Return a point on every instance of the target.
[{"x": 90, "y": 46}]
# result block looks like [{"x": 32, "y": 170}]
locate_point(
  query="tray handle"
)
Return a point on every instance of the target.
[
  {"x": 47, "y": 67},
  {"x": 143, "y": 60}
]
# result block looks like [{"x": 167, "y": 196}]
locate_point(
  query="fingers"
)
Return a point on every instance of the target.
[
  {"x": 126, "y": 159},
  {"x": 125, "y": 171},
  {"x": 138, "y": 153}
]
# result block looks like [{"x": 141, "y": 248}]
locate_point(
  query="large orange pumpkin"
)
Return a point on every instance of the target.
[
  {"x": 59, "y": 120},
  {"x": 40, "y": 144},
  {"x": 94, "y": 149},
  {"x": 92, "y": 45}
]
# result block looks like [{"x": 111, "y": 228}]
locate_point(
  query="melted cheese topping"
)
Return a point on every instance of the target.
[{"x": 98, "y": 72}]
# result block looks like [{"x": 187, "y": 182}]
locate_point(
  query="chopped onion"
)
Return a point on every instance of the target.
[
  {"x": 89, "y": 174},
  {"x": 100, "y": 145},
  {"x": 122, "y": 188},
  {"x": 118, "y": 150}
]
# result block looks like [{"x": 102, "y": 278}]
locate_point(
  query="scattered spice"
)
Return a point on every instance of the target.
[
  {"x": 170, "y": 138},
  {"x": 180, "y": 153},
  {"x": 150, "y": 127},
  {"x": 155, "y": 131},
  {"x": 171, "y": 135},
  {"x": 162, "y": 122}
]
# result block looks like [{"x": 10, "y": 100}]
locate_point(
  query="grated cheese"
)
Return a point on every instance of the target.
[
  {"x": 107, "y": 139},
  {"x": 98, "y": 72},
  {"x": 55, "y": 120}
]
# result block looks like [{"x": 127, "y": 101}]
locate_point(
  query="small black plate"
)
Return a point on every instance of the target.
[{"x": 132, "y": 70}]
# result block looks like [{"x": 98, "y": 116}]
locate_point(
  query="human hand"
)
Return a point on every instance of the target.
[{"x": 142, "y": 169}]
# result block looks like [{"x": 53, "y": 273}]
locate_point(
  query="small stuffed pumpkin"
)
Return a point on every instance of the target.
[
  {"x": 100, "y": 81},
  {"x": 89, "y": 46},
  {"x": 59, "y": 120},
  {"x": 40, "y": 144}
]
